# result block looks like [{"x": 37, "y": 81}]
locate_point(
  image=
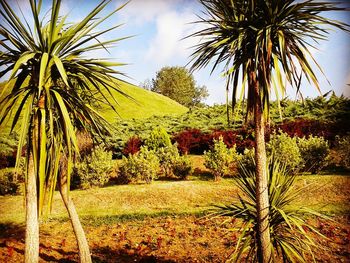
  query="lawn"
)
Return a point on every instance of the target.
[{"x": 164, "y": 221}]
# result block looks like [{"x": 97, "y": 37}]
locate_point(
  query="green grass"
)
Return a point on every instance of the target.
[
  {"x": 325, "y": 193},
  {"x": 144, "y": 104}
]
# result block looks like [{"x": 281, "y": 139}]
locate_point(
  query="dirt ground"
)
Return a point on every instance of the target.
[{"x": 162, "y": 239}]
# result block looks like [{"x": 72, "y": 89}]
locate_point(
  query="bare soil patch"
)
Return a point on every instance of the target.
[{"x": 160, "y": 239}]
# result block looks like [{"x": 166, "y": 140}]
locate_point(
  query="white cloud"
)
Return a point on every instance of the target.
[
  {"x": 143, "y": 11},
  {"x": 168, "y": 43}
]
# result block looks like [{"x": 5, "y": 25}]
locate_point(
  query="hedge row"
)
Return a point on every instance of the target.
[{"x": 195, "y": 141}]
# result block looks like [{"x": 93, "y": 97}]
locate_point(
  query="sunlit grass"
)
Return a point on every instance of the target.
[{"x": 325, "y": 193}]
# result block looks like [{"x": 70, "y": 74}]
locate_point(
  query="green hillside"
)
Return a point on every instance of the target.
[
  {"x": 141, "y": 105},
  {"x": 144, "y": 104}
]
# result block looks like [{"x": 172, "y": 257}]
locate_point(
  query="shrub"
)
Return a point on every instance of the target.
[
  {"x": 228, "y": 137},
  {"x": 314, "y": 152},
  {"x": 94, "y": 169},
  {"x": 167, "y": 158},
  {"x": 191, "y": 141},
  {"x": 8, "y": 143},
  {"x": 132, "y": 146},
  {"x": 247, "y": 161},
  {"x": 9, "y": 185},
  {"x": 285, "y": 149},
  {"x": 341, "y": 152},
  {"x": 221, "y": 160},
  {"x": 172, "y": 164},
  {"x": 157, "y": 139},
  {"x": 140, "y": 167},
  {"x": 182, "y": 167},
  {"x": 293, "y": 239}
]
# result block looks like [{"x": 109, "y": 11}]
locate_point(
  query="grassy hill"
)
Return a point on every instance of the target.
[{"x": 144, "y": 104}]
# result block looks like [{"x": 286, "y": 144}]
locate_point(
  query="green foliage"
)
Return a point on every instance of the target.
[
  {"x": 182, "y": 167},
  {"x": 314, "y": 152},
  {"x": 157, "y": 139},
  {"x": 332, "y": 110},
  {"x": 178, "y": 84},
  {"x": 247, "y": 160},
  {"x": 221, "y": 160},
  {"x": 292, "y": 237},
  {"x": 8, "y": 143},
  {"x": 172, "y": 164},
  {"x": 285, "y": 149},
  {"x": 140, "y": 167},
  {"x": 9, "y": 183},
  {"x": 342, "y": 151},
  {"x": 54, "y": 84},
  {"x": 94, "y": 169}
]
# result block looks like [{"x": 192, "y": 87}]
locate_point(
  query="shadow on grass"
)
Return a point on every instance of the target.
[
  {"x": 111, "y": 219},
  {"x": 106, "y": 254},
  {"x": 202, "y": 175},
  {"x": 16, "y": 233}
]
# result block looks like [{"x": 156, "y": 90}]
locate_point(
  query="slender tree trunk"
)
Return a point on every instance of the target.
[
  {"x": 83, "y": 246},
  {"x": 32, "y": 223},
  {"x": 262, "y": 194}
]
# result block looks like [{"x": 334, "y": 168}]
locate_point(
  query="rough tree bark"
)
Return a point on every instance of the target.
[
  {"x": 83, "y": 246},
  {"x": 262, "y": 195},
  {"x": 32, "y": 222}
]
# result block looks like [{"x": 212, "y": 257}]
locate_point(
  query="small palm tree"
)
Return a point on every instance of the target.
[
  {"x": 49, "y": 94},
  {"x": 291, "y": 235},
  {"x": 261, "y": 42}
]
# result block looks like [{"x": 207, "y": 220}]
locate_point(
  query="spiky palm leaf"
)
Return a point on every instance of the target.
[
  {"x": 291, "y": 240},
  {"x": 271, "y": 38},
  {"x": 51, "y": 84}
]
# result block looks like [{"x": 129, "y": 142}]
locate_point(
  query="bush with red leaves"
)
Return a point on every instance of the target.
[
  {"x": 192, "y": 141},
  {"x": 132, "y": 146}
]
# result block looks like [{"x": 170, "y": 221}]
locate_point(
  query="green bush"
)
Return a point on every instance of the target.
[
  {"x": 247, "y": 161},
  {"x": 221, "y": 160},
  {"x": 285, "y": 149},
  {"x": 314, "y": 152},
  {"x": 157, "y": 139},
  {"x": 182, "y": 167},
  {"x": 9, "y": 185},
  {"x": 140, "y": 167},
  {"x": 341, "y": 152},
  {"x": 168, "y": 156},
  {"x": 172, "y": 164},
  {"x": 94, "y": 169}
]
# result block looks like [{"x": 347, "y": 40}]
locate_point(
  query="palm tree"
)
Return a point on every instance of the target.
[
  {"x": 260, "y": 42},
  {"x": 49, "y": 94}
]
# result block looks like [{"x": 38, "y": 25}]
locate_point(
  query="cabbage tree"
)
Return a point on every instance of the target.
[
  {"x": 259, "y": 44},
  {"x": 49, "y": 95}
]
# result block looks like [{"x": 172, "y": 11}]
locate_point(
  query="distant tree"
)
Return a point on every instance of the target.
[
  {"x": 178, "y": 84},
  {"x": 147, "y": 84}
]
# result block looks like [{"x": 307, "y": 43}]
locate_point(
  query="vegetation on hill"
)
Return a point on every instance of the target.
[
  {"x": 178, "y": 84},
  {"x": 141, "y": 104}
]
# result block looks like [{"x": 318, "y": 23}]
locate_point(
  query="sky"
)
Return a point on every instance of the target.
[{"x": 158, "y": 27}]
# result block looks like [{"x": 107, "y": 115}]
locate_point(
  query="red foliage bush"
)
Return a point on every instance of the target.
[
  {"x": 132, "y": 146},
  {"x": 305, "y": 127},
  {"x": 191, "y": 141}
]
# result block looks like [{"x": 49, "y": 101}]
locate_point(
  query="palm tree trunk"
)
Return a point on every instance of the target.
[
  {"x": 83, "y": 246},
  {"x": 32, "y": 223},
  {"x": 262, "y": 194}
]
